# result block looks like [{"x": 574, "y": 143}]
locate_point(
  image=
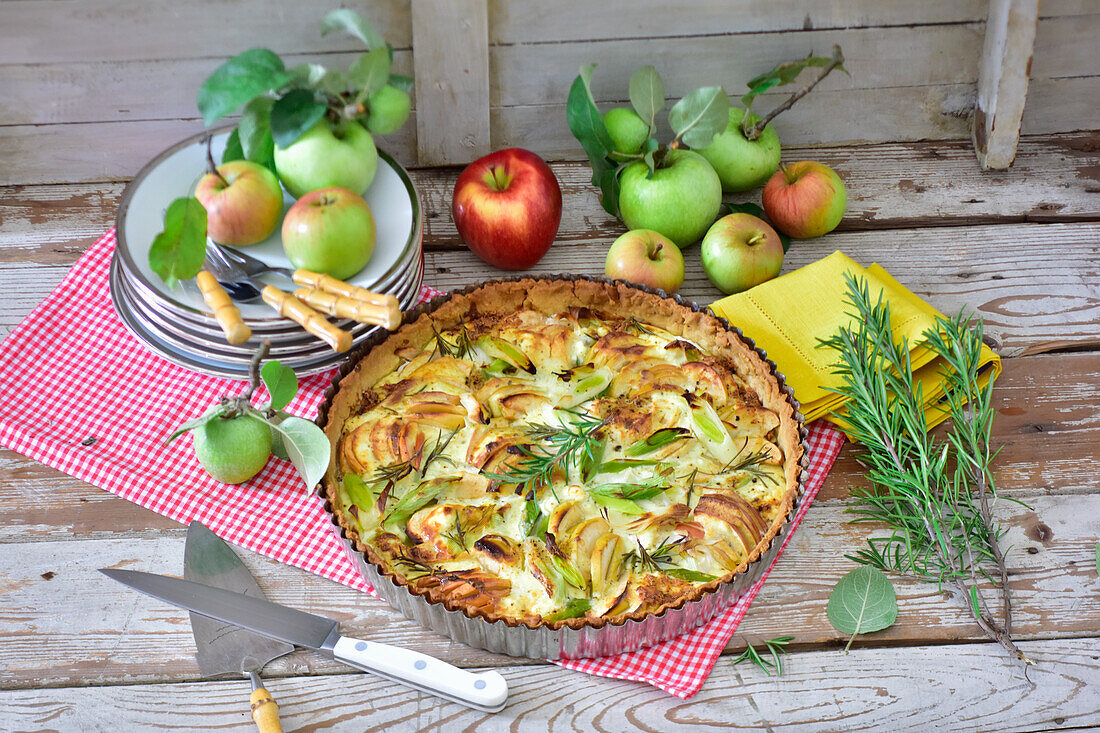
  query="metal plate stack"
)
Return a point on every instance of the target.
[{"x": 174, "y": 322}]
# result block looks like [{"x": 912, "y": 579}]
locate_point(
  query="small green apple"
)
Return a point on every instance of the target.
[
  {"x": 328, "y": 156},
  {"x": 643, "y": 256},
  {"x": 628, "y": 131},
  {"x": 680, "y": 201},
  {"x": 330, "y": 231},
  {"x": 389, "y": 108},
  {"x": 232, "y": 450},
  {"x": 743, "y": 164},
  {"x": 741, "y": 251}
]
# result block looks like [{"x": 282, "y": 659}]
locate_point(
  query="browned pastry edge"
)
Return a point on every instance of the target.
[{"x": 551, "y": 296}]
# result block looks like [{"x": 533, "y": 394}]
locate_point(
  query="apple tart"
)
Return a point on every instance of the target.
[{"x": 562, "y": 452}]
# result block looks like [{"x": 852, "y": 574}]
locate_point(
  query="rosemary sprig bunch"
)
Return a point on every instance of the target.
[
  {"x": 750, "y": 463},
  {"x": 935, "y": 498},
  {"x": 574, "y": 443}
]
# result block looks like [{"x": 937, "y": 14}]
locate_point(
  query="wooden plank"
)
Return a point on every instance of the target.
[
  {"x": 127, "y": 91},
  {"x": 82, "y": 31},
  {"x": 1030, "y": 301},
  {"x": 1062, "y": 105},
  {"x": 451, "y": 38},
  {"x": 103, "y": 633},
  {"x": 1002, "y": 80},
  {"x": 960, "y": 687}
]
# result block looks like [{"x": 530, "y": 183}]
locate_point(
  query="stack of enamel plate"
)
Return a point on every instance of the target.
[{"x": 175, "y": 322}]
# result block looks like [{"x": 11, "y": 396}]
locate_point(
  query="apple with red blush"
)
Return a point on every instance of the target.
[
  {"x": 507, "y": 208},
  {"x": 648, "y": 258},
  {"x": 243, "y": 203},
  {"x": 740, "y": 251},
  {"x": 805, "y": 199}
]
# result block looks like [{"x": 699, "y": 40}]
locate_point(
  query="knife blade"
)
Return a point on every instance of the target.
[
  {"x": 487, "y": 691},
  {"x": 222, "y": 647}
]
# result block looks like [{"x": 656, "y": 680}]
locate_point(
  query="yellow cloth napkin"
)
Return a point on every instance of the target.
[{"x": 788, "y": 316}]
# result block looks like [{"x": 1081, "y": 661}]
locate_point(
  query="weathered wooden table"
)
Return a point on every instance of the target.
[{"x": 78, "y": 652}]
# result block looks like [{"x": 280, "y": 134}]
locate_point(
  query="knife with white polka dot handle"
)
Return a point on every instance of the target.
[{"x": 487, "y": 691}]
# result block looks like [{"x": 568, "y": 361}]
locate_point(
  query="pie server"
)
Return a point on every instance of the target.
[
  {"x": 487, "y": 691},
  {"x": 222, "y": 648}
]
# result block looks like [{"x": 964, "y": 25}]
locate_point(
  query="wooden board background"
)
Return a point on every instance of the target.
[{"x": 92, "y": 90}]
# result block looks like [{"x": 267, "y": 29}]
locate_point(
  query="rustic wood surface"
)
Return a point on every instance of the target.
[{"x": 94, "y": 89}]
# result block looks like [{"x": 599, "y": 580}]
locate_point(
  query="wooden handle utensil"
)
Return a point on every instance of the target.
[
  {"x": 330, "y": 284},
  {"x": 265, "y": 711},
  {"x": 229, "y": 318},
  {"x": 387, "y": 316},
  {"x": 290, "y": 307}
]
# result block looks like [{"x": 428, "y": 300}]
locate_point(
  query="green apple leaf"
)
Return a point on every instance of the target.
[
  {"x": 783, "y": 74},
  {"x": 608, "y": 182},
  {"x": 281, "y": 383},
  {"x": 586, "y": 122},
  {"x": 255, "y": 132},
  {"x": 699, "y": 116},
  {"x": 402, "y": 82},
  {"x": 647, "y": 95},
  {"x": 862, "y": 601},
  {"x": 353, "y": 23},
  {"x": 307, "y": 75},
  {"x": 238, "y": 80},
  {"x": 233, "y": 149},
  {"x": 648, "y": 149},
  {"x": 293, "y": 114},
  {"x": 370, "y": 72},
  {"x": 215, "y": 411},
  {"x": 307, "y": 446},
  {"x": 178, "y": 251},
  {"x": 748, "y": 207}
]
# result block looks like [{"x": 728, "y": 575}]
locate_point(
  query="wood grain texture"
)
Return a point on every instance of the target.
[
  {"x": 452, "y": 64},
  {"x": 142, "y": 639},
  {"x": 959, "y": 687}
]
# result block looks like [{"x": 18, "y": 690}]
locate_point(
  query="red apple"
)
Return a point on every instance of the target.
[
  {"x": 330, "y": 231},
  {"x": 243, "y": 205},
  {"x": 507, "y": 208},
  {"x": 805, "y": 199},
  {"x": 643, "y": 256},
  {"x": 740, "y": 251}
]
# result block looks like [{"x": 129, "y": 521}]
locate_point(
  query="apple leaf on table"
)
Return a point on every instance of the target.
[
  {"x": 293, "y": 114},
  {"x": 178, "y": 251},
  {"x": 647, "y": 95},
  {"x": 699, "y": 116},
  {"x": 862, "y": 601},
  {"x": 238, "y": 80}
]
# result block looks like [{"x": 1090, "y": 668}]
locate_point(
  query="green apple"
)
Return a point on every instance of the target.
[
  {"x": 330, "y": 231},
  {"x": 643, "y": 256},
  {"x": 628, "y": 131},
  {"x": 741, "y": 251},
  {"x": 743, "y": 164},
  {"x": 805, "y": 199},
  {"x": 243, "y": 203},
  {"x": 680, "y": 201},
  {"x": 389, "y": 108},
  {"x": 232, "y": 450},
  {"x": 328, "y": 156}
]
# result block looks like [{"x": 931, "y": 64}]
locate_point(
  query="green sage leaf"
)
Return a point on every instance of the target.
[
  {"x": 238, "y": 80},
  {"x": 233, "y": 149},
  {"x": 370, "y": 72},
  {"x": 699, "y": 116},
  {"x": 255, "y": 132},
  {"x": 177, "y": 252},
  {"x": 281, "y": 383},
  {"x": 353, "y": 23},
  {"x": 647, "y": 95},
  {"x": 293, "y": 114},
  {"x": 307, "y": 446},
  {"x": 214, "y": 412},
  {"x": 862, "y": 601}
]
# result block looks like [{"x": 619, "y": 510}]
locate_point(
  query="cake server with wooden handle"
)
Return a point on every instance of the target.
[
  {"x": 487, "y": 691},
  {"x": 220, "y": 647}
]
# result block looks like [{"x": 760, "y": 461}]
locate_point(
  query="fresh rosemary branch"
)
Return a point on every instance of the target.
[
  {"x": 576, "y": 442},
  {"x": 750, "y": 463},
  {"x": 461, "y": 348},
  {"x": 935, "y": 498},
  {"x": 397, "y": 471},
  {"x": 775, "y": 647}
]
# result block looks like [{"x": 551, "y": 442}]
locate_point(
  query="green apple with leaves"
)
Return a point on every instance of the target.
[
  {"x": 680, "y": 200},
  {"x": 233, "y": 449},
  {"x": 328, "y": 156},
  {"x": 743, "y": 164}
]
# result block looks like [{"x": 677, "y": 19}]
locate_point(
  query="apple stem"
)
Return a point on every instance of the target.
[
  {"x": 756, "y": 239},
  {"x": 210, "y": 167},
  {"x": 498, "y": 178},
  {"x": 754, "y": 131},
  {"x": 653, "y": 250},
  {"x": 254, "y": 371}
]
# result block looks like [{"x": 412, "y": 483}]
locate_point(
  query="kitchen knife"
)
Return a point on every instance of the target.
[
  {"x": 222, "y": 647},
  {"x": 486, "y": 691}
]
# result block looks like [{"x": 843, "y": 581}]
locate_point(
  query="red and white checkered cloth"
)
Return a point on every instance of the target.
[{"x": 80, "y": 394}]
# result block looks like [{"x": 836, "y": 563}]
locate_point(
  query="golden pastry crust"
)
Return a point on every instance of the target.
[{"x": 501, "y": 574}]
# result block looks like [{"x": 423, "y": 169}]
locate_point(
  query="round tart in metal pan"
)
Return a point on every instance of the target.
[{"x": 574, "y": 637}]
